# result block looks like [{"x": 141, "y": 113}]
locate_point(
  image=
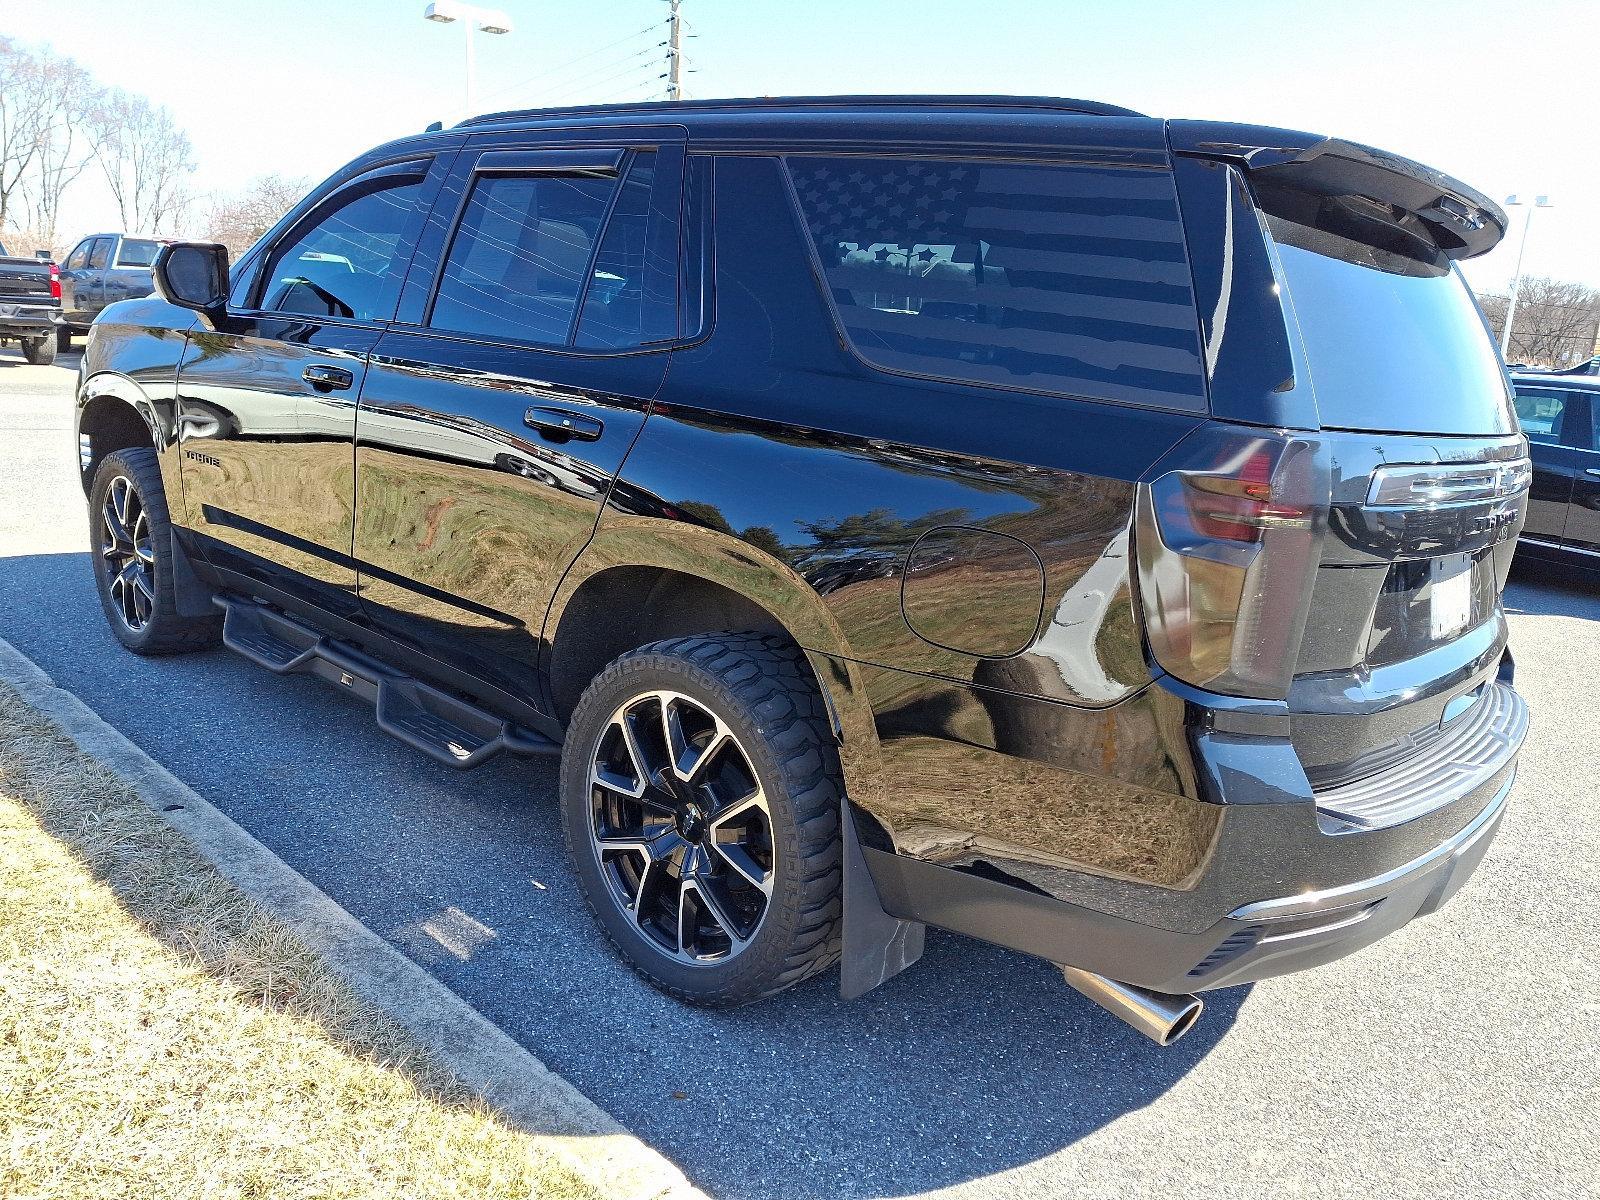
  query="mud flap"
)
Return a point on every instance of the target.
[
  {"x": 190, "y": 596},
  {"x": 874, "y": 946}
]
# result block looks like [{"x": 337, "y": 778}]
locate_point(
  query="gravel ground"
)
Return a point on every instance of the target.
[{"x": 1455, "y": 1058}]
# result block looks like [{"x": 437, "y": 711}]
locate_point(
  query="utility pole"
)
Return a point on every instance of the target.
[
  {"x": 1516, "y": 275},
  {"x": 675, "y": 51}
]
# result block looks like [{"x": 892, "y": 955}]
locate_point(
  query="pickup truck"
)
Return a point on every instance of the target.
[
  {"x": 102, "y": 269},
  {"x": 30, "y": 303}
]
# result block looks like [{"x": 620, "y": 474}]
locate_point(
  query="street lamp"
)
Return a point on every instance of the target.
[
  {"x": 1516, "y": 277},
  {"x": 485, "y": 20}
]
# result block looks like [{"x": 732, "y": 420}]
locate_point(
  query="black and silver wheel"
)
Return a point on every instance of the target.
[
  {"x": 126, "y": 554},
  {"x": 40, "y": 351},
  {"x": 130, "y": 541},
  {"x": 701, "y": 796}
]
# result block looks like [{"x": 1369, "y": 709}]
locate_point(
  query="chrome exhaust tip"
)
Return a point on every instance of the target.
[{"x": 1160, "y": 1017}]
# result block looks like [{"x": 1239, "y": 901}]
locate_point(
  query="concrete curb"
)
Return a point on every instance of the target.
[{"x": 524, "y": 1092}]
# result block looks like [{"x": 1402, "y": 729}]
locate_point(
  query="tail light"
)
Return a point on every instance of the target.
[
  {"x": 1228, "y": 536},
  {"x": 55, "y": 282}
]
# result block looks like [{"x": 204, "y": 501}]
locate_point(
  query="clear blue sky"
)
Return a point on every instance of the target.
[{"x": 1503, "y": 95}]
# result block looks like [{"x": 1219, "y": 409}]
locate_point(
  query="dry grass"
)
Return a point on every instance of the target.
[{"x": 162, "y": 1036}]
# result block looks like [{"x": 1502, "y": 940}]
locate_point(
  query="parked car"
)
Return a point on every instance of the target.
[
  {"x": 965, "y": 543},
  {"x": 1561, "y": 416},
  {"x": 30, "y": 299},
  {"x": 102, "y": 269}
]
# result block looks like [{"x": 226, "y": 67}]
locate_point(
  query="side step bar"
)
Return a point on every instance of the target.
[{"x": 444, "y": 727}]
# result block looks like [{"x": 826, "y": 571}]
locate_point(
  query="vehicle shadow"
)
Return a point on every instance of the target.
[
  {"x": 975, "y": 1061},
  {"x": 1552, "y": 590}
]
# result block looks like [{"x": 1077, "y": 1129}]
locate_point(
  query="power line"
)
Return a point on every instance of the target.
[
  {"x": 578, "y": 87},
  {"x": 562, "y": 68}
]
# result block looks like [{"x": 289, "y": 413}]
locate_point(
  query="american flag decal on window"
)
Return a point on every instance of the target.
[{"x": 1068, "y": 279}]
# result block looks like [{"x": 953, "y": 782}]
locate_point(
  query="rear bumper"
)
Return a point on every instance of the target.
[
  {"x": 26, "y": 320},
  {"x": 1283, "y": 889}
]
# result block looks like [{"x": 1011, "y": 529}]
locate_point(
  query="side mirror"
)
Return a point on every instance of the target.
[
  {"x": 43, "y": 255},
  {"x": 193, "y": 275}
]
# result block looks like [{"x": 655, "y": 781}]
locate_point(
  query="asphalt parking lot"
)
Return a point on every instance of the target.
[{"x": 1456, "y": 1058}]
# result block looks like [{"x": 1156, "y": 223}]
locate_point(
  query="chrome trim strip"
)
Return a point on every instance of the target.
[{"x": 1353, "y": 893}]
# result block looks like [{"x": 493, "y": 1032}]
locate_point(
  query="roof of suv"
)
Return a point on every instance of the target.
[
  {"x": 689, "y": 109},
  {"x": 1584, "y": 383}
]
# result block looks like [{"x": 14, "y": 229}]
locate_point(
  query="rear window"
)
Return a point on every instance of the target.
[
  {"x": 1393, "y": 338},
  {"x": 1063, "y": 279},
  {"x": 137, "y": 252}
]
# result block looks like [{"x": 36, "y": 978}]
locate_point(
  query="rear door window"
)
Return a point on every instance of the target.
[
  {"x": 521, "y": 256},
  {"x": 137, "y": 252},
  {"x": 1540, "y": 412},
  {"x": 1062, "y": 279}
]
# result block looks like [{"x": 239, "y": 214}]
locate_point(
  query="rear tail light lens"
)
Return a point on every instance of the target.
[
  {"x": 55, "y": 282},
  {"x": 1228, "y": 537}
]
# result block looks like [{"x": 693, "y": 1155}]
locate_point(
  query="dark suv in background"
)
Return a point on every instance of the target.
[{"x": 1025, "y": 517}]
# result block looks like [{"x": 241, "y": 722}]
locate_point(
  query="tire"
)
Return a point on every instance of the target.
[
  {"x": 63, "y": 339},
  {"x": 758, "y": 689},
  {"x": 140, "y": 610},
  {"x": 40, "y": 351}
]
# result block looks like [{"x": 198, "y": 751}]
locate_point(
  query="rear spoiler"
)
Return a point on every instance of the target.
[{"x": 1464, "y": 221}]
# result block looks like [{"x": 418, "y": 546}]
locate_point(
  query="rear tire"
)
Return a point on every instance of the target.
[
  {"x": 719, "y": 882},
  {"x": 40, "y": 351},
  {"x": 130, "y": 546},
  {"x": 63, "y": 339}
]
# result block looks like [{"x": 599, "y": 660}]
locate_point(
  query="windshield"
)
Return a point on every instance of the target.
[
  {"x": 137, "y": 252},
  {"x": 1393, "y": 338}
]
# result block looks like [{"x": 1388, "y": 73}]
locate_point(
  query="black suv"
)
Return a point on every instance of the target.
[{"x": 1025, "y": 517}]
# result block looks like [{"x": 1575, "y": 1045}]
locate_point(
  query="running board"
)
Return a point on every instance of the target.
[{"x": 444, "y": 727}]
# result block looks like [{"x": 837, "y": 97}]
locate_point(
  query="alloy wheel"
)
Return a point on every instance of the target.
[
  {"x": 681, "y": 827},
  {"x": 129, "y": 560}
]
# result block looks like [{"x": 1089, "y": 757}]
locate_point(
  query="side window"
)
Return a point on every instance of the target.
[
  {"x": 80, "y": 255},
  {"x": 520, "y": 255},
  {"x": 1539, "y": 411},
  {"x": 347, "y": 262},
  {"x": 613, "y": 303},
  {"x": 137, "y": 252},
  {"x": 1065, "y": 279},
  {"x": 100, "y": 253}
]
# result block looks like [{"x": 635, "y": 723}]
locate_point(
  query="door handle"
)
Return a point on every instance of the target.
[
  {"x": 327, "y": 379},
  {"x": 559, "y": 424}
]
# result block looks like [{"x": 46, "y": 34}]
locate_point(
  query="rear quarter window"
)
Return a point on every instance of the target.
[{"x": 1070, "y": 280}]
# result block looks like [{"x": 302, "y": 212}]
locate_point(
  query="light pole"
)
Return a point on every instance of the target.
[
  {"x": 1516, "y": 276},
  {"x": 485, "y": 20}
]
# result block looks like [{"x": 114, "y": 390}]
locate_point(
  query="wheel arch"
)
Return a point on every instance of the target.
[
  {"x": 642, "y": 579},
  {"x": 114, "y": 414}
]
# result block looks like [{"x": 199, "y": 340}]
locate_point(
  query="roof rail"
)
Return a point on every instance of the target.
[{"x": 1053, "y": 103}]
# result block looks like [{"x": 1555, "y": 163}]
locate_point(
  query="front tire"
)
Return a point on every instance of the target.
[
  {"x": 130, "y": 542},
  {"x": 700, "y": 792},
  {"x": 40, "y": 351}
]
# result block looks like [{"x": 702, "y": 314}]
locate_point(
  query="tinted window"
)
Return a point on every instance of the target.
[
  {"x": 1056, "y": 279},
  {"x": 137, "y": 252},
  {"x": 100, "y": 253},
  {"x": 520, "y": 256},
  {"x": 347, "y": 262},
  {"x": 80, "y": 255},
  {"x": 613, "y": 304},
  {"x": 1392, "y": 335},
  {"x": 1540, "y": 412}
]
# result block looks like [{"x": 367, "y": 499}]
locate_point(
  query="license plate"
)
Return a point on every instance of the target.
[{"x": 1452, "y": 602}]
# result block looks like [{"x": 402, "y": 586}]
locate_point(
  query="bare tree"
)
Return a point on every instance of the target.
[
  {"x": 146, "y": 160},
  {"x": 68, "y": 96},
  {"x": 239, "y": 221},
  {"x": 1555, "y": 324},
  {"x": 21, "y": 117}
]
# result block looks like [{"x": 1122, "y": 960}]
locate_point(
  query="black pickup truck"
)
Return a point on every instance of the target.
[{"x": 30, "y": 302}]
